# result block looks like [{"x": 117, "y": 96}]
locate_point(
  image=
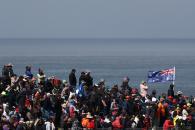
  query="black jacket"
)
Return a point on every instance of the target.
[
  {"x": 72, "y": 79},
  {"x": 171, "y": 92}
]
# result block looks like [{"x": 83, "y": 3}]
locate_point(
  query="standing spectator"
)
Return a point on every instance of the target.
[
  {"x": 82, "y": 77},
  {"x": 7, "y": 73},
  {"x": 41, "y": 77},
  {"x": 171, "y": 91},
  {"x": 88, "y": 79},
  {"x": 125, "y": 84},
  {"x": 72, "y": 78},
  {"x": 143, "y": 89}
]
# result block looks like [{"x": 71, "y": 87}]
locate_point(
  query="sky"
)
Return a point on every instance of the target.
[{"x": 97, "y": 19}]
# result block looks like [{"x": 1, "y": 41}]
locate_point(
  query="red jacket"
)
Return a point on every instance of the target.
[
  {"x": 117, "y": 123},
  {"x": 167, "y": 125},
  {"x": 91, "y": 124}
]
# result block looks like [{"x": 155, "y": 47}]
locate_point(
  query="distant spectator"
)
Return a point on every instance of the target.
[
  {"x": 72, "y": 78},
  {"x": 171, "y": 91},
  {"x": 28, "y": 72}
]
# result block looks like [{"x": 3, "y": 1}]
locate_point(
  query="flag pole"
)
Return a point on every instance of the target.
[{"x": 174, "y": 76}]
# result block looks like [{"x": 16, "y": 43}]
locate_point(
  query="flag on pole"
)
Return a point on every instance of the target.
[{"x": 161, "y": 76}]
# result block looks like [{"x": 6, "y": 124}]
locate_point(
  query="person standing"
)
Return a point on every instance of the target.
[
  {"x": 171, "y": 90},
  {"x": 125, "y": 84},
  {"x": 41, "y": 77},
  {"x": 88, "y": 79},
  {"x": 82, "y": 78},
  {"x": 7, "y": 73},
  {"x": 72, "y": 78},
  {"x": 143, "y": 89}
]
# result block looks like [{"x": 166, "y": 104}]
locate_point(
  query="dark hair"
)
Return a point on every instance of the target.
[
  {"x": 73, "y": 70},
  {"x": 153, "y": 92},
  {"x": 41, "y": 71},
  {"x": 171, "y": 86}
]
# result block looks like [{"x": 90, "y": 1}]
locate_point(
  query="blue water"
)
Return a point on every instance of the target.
[
  {"x": 113, "y": 69},
  {"x": 111, "y": 59}
]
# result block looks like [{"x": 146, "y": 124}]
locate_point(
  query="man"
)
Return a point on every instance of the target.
[
  {"x": 82, "y": 77},
  {"x": 171, "y": 91},
  {"x": 72, "y": 78},
  {"x": 88, "y": 79}
]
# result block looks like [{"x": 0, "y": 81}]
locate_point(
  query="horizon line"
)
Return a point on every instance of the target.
[{"x": 100, "y": 38}]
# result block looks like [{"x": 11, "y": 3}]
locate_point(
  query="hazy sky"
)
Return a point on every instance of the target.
[
  {"x": 97, "y": 47},
  {"x": 97, "y": 19}
]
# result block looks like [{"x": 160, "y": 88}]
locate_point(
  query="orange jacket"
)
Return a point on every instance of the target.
[
  {"x": 84, "y": 122},
  {"x": 160, "y": 110}
]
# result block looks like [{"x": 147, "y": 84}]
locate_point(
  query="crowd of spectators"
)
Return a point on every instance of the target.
[{"x": 38, "y": 102}]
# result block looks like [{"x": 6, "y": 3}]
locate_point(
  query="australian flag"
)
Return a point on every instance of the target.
[{"x": 161, "y": 76}]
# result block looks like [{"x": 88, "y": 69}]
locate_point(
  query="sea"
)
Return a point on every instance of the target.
[{"x": 110, "y": 59}]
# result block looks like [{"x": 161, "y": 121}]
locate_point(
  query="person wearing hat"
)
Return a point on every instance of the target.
[
  {"x": 91, "y": 122},
  {"x": 101, "y": 83},
  {"x": 88, "y": 121},
  {"x": 179, "y": 93},
  {"x": 65, "y": 83}
]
